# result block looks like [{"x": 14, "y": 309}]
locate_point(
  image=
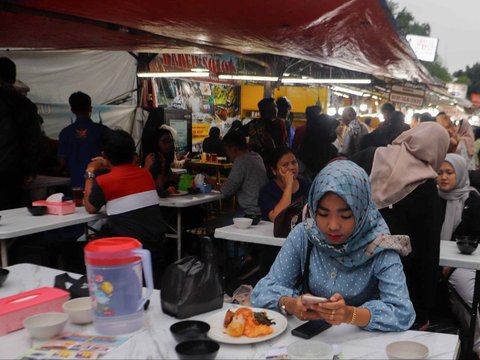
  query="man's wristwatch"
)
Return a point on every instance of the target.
[{"x": 89, "y": 175}]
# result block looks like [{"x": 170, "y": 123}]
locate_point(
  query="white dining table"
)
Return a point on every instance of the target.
[
  {"x": 262, "y": 233},
  {"x": 184, "y": 201},
  {"x": 19, "y": 222},
  {"x": 449, "y": 256},
  {"x": 452, "y": 257},
  {"x": 154, "y": 340}
]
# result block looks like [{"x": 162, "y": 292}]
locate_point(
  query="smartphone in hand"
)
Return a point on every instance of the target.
[
  {"x": 311, "y": 328},
  {"x": 313, "y": 300}
]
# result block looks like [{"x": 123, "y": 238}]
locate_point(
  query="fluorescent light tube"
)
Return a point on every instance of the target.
[
  {"x": 173, "y": 74},
  {"x": 347, "y": 90},
  {"x": 325, "y": 81},
  {"x": 247, "y": 77}
]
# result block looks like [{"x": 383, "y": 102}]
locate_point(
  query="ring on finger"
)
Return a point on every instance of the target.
[
  {"x": 333, "y": 312},
  {"x": 301, "y": 315}
]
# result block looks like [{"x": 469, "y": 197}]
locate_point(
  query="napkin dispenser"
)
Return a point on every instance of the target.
[
  {"x": 16, "y": 308},
  {"x": 57, "y": 208}
]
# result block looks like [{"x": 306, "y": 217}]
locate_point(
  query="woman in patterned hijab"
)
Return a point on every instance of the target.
[
  {"x": 344, "y": 254},
  {"x": 351, "y": 183}
]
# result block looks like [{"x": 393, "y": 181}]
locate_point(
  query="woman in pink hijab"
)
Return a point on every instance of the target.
[
  {"x": 403, "y": 177},
  {"x": 466, "y": 147}
]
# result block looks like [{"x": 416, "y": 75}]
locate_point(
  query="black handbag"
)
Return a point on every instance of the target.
[
  {"x": 287, "y": 219},
  {"x": 192, "y": 286},
  {"x": 78, "y": 287}
]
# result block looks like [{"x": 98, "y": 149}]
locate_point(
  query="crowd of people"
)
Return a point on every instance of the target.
[{"x": 377, "y": 201}]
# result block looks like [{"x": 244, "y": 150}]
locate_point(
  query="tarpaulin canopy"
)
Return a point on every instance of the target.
[{"x": 354, "y": 34}]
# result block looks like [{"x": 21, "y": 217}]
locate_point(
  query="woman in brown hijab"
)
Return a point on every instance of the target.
[{"x": 403, "y": 188}]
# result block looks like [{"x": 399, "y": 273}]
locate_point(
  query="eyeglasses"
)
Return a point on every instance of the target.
[{"x": 167, "y": 141}]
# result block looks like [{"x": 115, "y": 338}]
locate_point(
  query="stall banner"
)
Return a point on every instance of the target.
[
  {"x": 406, "y": 95},
  {"x": 214, "y": 63},
  {"x": 211, "y": 104}
]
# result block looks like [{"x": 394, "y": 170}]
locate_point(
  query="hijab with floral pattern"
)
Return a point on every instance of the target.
[{"x": 371, "y": 234}]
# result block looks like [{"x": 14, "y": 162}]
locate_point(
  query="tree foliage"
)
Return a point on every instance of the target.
[
  {"x": 438, "y": 70},
  {"x": 473, "y": 74},
  {"x": 407, "y": 24}
]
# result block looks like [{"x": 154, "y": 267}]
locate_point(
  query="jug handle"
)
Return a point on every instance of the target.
[{"x": 147, "y": 271}]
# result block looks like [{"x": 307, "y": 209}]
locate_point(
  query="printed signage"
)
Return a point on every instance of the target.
[
  {"x": 406, "y": 95},
  {"x": 424, "y": 47},
  {"x": 457, "y": 90}
]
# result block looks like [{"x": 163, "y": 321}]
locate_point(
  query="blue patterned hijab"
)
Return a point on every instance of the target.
[{"x": 351, "y": 183}]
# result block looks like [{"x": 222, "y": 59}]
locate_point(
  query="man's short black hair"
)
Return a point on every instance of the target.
[
  {"x": 80, "y": 102},
  {"x": 284, "y": 106},
  {"x": 266, "y": 109},
  {"x": 387, "y": 107},
  {"x": 214, "y": 132},
  {"x": 312, "y": 111},
  {"x": 425, "y": 117},
  {"x": 8, "y": 71},
  {"x": 119, "y": 148},
  {"x": 235, "y": 139}
]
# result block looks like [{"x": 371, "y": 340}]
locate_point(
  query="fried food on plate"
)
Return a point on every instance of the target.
[{"x": 246, "y": 322}]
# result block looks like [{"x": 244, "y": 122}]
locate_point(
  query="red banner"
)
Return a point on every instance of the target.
[{"x": 475, "y": 98}]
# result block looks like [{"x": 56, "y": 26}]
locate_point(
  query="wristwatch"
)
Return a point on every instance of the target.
[
  {"x": 89, "y": 175},
  {"x": 283, "y": 307}
]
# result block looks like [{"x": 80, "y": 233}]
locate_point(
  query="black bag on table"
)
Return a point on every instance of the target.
[
  {"x": 192, "y": 286},
  {"x": 78, "y": 287},
  {"x": 288, "y": 218}
]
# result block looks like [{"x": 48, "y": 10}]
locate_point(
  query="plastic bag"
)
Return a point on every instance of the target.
[{"x": 192, "y": 286}]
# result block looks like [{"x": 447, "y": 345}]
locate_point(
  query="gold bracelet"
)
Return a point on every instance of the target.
[{"x": 354, "y": 316}]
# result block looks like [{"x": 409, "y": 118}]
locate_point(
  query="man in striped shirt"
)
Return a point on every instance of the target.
[{"x": 129, "y": 195}]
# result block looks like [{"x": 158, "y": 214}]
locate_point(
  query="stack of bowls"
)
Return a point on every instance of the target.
[{"x": 193, "y": 341}]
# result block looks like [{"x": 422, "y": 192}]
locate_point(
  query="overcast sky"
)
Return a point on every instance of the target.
[{"x": 455, "y": 24}]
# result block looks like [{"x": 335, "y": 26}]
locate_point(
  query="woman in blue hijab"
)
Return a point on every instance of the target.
[{"x": 344, "y": 252}]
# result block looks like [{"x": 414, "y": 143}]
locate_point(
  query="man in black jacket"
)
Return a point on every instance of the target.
[{"x": 19, "y": 138}]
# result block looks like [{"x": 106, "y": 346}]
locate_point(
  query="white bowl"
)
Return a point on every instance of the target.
[
  {"x": 310, "y": 349},
  {"x": 242, "y": 223},
  {"x": 406, "y": 350},
  {"x": 79, "y": 310},
  {"x": 46, "y": 325}
]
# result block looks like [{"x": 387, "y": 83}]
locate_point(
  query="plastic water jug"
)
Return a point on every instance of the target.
[{"x": 114, "y": 271}]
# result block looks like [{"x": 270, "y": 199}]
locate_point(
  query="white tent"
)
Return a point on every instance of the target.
[{"x": 104, "y": 75}]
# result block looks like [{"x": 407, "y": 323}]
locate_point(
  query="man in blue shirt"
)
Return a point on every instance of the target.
[{"x": 82, "y": 140}]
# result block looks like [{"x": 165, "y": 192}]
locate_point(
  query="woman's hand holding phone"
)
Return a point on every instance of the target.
[{"x": 334, "y": 311}]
